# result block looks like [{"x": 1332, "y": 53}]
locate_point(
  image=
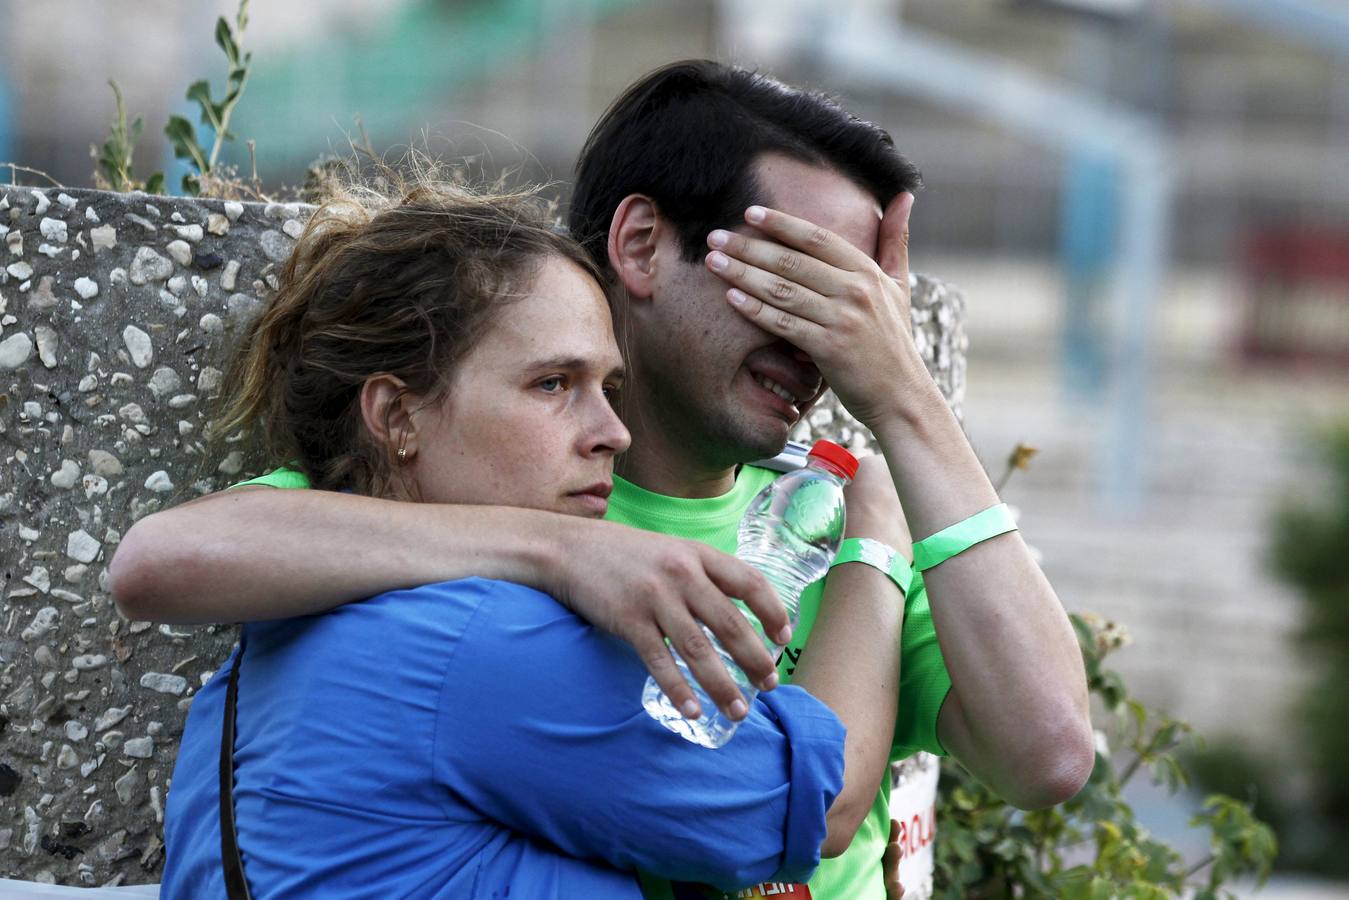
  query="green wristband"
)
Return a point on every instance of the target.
[
  {"x": 938, "y": 548},
  {"x": 879, "y": 556}
]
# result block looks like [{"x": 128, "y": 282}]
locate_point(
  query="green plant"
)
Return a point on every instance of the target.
[
  {"x": 1310, "y": 550},
  {"x": 1234, "y": 767},
  {"x": 114, "y": 158},
  {"x": 1093, "y": 846},
  {"x": 215, "y": 115}
]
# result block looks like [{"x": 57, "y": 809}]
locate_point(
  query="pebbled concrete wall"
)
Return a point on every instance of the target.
[
  {"x": 116, "y": 316},
  {"x": 116, "y": 312}
]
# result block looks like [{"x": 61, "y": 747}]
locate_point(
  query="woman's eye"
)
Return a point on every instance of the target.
[
  {"x": 611, "y": 392},
  {"x": 552, "y": 385}
]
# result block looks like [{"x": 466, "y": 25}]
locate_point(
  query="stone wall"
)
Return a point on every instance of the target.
[{"x": 116, "y": 315}]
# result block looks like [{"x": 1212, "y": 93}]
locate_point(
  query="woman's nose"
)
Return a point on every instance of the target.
[{"x": 608, "y": 434}]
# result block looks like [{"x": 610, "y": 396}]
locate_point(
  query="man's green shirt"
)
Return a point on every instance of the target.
[{"x": 924, "y": 682}]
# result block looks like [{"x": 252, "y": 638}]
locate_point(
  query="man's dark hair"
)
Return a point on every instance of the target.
[{"x": 686, "y": 135}]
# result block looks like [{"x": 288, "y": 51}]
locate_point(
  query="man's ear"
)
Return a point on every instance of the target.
[
  {"x": 634, "y": 233},
  {"x": 386, "y": 406}
]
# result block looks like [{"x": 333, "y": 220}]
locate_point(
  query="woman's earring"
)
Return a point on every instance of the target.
[{"x": 402, "y": 454}]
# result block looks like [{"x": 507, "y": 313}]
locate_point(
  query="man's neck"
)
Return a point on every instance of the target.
[{"x": 662, "y": 465}]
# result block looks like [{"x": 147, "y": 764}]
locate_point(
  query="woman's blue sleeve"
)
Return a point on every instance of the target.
[{"x": 541, "y": 728}]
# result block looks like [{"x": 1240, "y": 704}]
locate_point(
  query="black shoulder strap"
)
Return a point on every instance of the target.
[{"x": 236, "y": 886}]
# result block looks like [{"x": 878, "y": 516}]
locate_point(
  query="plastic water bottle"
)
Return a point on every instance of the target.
[{"x": 790, "y": 533}]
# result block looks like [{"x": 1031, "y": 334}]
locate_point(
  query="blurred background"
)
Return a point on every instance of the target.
[{"x": 1143, "y": 201}]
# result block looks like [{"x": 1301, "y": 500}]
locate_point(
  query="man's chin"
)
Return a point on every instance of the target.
[
  {"x": 734, "y": 437},
  {"x": 762, "y": 440}
]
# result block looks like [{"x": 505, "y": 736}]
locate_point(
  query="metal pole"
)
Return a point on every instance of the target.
[
  {"x": 6, "y": 122},
  {"x": 1141, "y": 270},
  {"x": 1089, "y": 215},
  {"x": 1088, "y": 226}
]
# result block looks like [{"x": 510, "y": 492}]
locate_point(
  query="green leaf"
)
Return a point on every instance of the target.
[
  {"x": 156, "y": 184},
  {"x": 1009, "y": 849},
  {"x": 184, "y": 139},
  {"x": 970, "y": 872},
  {"x": 964, "y": 844},
  {"x": 1085, "y": 638},
  {"x": 191, "y": 185},
  {"x": 238, "y": 77},
  {"x": 1171, "y": 773},
  {"x": 1139, "y": 714},
  {"x": 1036, "y": 883},
  {"x": 1112, "y": 689},
  {"x": 1160, "y": 860},
  {"x": 113, "y": 161},
  {"x": 224, "y": 38},
  {"x": 180, "y": 132},
  {"x": 200, "y": 93},
  {"x": 1099, "y": 804},
  {"x": 1165, "y": 735}
]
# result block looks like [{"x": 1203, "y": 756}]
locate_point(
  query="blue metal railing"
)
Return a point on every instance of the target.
[{"x": 6, "y": 121}]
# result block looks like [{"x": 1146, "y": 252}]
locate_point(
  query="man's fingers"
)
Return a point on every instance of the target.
[
  {"x": 804, "y": 333},
  {"x": 777, "y": 261},
  {"x": 782, "y": 292},
  {"x": 811, "y": 239},
  {"x": 893, "y": 249}
]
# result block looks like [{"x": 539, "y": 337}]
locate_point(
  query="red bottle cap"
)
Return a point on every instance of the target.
[{"x": 836, "y": 456}]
